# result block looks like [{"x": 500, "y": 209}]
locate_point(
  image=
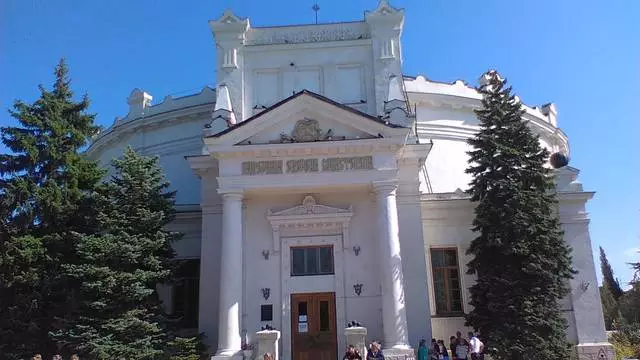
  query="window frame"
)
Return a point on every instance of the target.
[
  {"x": 448, "y": 312},
  {"x": 319, "y": 265}
]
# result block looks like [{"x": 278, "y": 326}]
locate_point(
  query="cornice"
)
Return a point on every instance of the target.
[
  {"x": 300, "y": 46},
  {"x": 169, "y": 118},
  {"x": 582, "y": 196},
  {"x": 343, "y": 148}
]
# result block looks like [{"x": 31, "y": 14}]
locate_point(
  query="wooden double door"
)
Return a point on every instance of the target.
[{"x": 313, "y": 326}]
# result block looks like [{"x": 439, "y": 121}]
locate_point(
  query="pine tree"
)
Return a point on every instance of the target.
[
  {"x": 45, "y": 196},
  {"x": 120, "y": 315},
  {"x": 519, "y": 256},
  {"x": 608, "y": 278}
]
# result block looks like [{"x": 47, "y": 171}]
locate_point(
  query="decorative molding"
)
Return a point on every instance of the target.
[
  {"x": 290, "y": 285},
  {"x": 310, "y": 218},
  {"x": 321, "y": 148},
  {"x": 174, "y": 117},
  {"x": 308, "y": 33}
]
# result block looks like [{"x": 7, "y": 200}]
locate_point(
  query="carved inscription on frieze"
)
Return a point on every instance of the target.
[
  {"x": 294, "y": 166},
  {"x": 302, "y": 165},
  {"x": 348, "y": 163},
  {"x": 262, "y": 167}
]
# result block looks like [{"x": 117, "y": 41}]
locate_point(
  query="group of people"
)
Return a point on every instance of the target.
[
  {"x": 461, "y": 349},
  {"x": 55, "y": 357},
  {"x": 373, "y": 353}
]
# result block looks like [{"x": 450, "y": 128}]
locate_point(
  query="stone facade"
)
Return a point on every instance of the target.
[{"x": 309, "y": 139}]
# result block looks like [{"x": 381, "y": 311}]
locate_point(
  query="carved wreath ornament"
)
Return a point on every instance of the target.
[{"x": 308, "y": 130}]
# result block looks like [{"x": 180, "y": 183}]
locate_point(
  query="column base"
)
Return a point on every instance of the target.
[
  {"x": 229, "y": 356},
  {"x": 595, "y": 351},
  {"x": 399, "y": 354}
]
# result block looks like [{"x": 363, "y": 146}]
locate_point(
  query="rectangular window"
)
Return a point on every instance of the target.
[
  {"x": 446, "y": 281},
  {"x": 186, "y": 292},
  {"x": 317, "y": 260}
]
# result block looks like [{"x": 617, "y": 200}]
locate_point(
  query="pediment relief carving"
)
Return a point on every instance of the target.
[{"x": 307, "y": 130}]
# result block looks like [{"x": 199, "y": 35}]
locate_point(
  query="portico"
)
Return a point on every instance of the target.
[{"x": 261, "y": 163}]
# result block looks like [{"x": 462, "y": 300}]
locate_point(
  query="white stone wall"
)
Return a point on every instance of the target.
[
  {"x": 361, "y": 269},
  {"x": 273, "y": 73}
]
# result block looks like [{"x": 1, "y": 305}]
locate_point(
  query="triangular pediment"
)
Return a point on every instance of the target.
[
  {"x": 309, "y": 206},
  {"x": 305, "y": 117}
]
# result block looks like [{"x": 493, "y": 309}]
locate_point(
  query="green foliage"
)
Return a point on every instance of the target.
[
  {"x": 119, "y": 313},
  {"x": 519, "y": 255},
  {"x": 626, "y": 340},
  {"x": 186, "y": 349},
  {"x": 610, "y": 292},
  {"x": 608, "y": 278},
  {"x": 610, "y": 307},
  {"x": 630, "y": 305},
  {"x": 45, "y": 196}
]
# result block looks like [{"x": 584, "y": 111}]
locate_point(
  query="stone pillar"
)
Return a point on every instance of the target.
[
  {"x": 356, "y": 336},
  {"x": 268, "y": 343},
  {"x": 229, "y": 338},
  {"x": 394, "y": 315}
]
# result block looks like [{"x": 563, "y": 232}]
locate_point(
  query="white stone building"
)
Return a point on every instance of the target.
[{"x": 316, "y": 184}]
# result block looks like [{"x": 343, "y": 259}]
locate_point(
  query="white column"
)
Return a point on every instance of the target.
[
  {"x": 394, "y": 315},
  {"x": 229, "y": 338}
]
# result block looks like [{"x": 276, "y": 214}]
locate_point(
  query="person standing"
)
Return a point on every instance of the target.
[
  {"x": 423, "y": 351},
  {"x": 476, "y": 347},
  {"x": 461, "y": 350},
  {"x": 434, "y": 351},
  {"x": 444, "y": 354}
]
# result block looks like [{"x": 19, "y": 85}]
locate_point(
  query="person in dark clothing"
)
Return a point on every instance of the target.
[
  {"x": 352, "y": 354},
  {"x": 452, "y": 346},
  {"x": 434, "y": 350},
  {"x": 443, "y": 350}
]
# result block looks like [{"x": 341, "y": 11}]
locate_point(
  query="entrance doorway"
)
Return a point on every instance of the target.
[{"x": 313, "y": 326}]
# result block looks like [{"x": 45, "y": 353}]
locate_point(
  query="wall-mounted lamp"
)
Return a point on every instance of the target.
[
  {"x": 265, "y": 254},
  {"x": 356, "y": 249}
]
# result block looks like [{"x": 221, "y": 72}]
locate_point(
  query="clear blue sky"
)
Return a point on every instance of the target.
[{"x": 582, "y": 55}]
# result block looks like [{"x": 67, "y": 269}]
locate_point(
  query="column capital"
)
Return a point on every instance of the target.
[
  {"x": 385, "y": 187},
  {"x": 231, "y": 194}
]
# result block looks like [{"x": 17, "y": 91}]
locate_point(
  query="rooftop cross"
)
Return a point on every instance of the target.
[{"x": 316, "y": 8}]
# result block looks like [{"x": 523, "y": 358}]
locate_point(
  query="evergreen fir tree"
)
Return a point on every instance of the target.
[
  {"x": 45, "y": 195},
  {"x": 610, "y": 292},
  {"x": 608, "y": 278},
  {"x": 610, "y": 307},
  {"x": 519, "y": 256},
  {"x": 120, "y": 315}
]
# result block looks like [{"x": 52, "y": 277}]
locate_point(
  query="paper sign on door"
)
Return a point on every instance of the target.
[{"x": 303, "y": 327}]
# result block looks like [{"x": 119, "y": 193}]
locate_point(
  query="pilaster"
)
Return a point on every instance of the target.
[
  {"x": 386, "y": 24},
  {"x": 230, "y": 34},
  {"x": 414, "y": 263}
]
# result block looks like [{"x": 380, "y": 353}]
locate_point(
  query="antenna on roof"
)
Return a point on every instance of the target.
[{"x": 316, "y": 8}]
